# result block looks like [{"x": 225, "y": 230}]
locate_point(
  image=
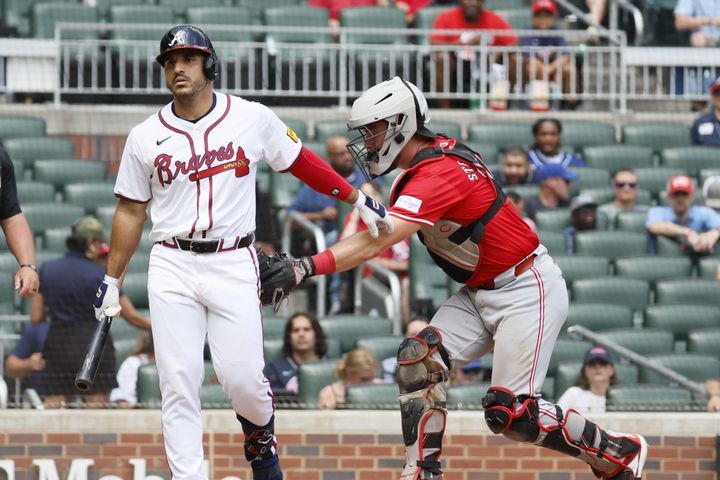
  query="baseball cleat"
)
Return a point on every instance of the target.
[
  {"x": 416, "y": 473},
  {"x": 635, "y": 466}
]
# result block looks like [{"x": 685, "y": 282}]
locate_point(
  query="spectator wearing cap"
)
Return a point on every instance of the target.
[
  {"x": 706, "y": 128},
  {"x": 547, "y": 148},
  {"x": 467, "y": 374},
  {"x": 554, "y": 180},
  {"x": 702, "y": 18},
  {"x": 625, "y": 188},
  {"x": 694, "y": 227},
  {"x": 515, "y": 168},
  {"x": 589, "y": 393},
  {"x": 583, "y": 217}
]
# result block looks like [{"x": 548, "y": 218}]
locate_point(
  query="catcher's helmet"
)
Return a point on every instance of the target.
[{"x": 188, "y": 36}]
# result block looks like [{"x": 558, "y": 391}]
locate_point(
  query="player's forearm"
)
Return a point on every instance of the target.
[
  {"x": 16, "y": 367},
  {"x": 126, "y": 231},
  {"x": 356, "y": 250},
  {"x": 667, "y": 229},
  {"x": 19, "y": 239},
  {"x": 684, "y": 23},
  {"x": 133, "y": 317}
]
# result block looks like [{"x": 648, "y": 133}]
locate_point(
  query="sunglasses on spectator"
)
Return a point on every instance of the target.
[{"x": 625, "y": 184}]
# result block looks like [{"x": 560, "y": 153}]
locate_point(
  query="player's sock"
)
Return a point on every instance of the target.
[{"x": 267, "y": 469}]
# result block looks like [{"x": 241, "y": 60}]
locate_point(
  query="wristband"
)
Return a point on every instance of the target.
[
  {"x": 28, "y": 265},
  {"x": 110, "y": 280},
  {"x": 324, "y": 262}
]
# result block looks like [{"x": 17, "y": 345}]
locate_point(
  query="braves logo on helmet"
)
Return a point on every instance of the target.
[{"x": 180, "y": 38}]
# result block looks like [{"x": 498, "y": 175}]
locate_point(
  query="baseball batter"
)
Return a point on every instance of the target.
[
  {"x": 514, "y": 301},
  {"x": 194, "y": 163}
]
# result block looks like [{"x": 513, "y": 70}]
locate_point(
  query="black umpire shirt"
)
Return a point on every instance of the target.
[{"x": 9, "y": 205}]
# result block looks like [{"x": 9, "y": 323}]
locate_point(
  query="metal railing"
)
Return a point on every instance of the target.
[{"x": 395, "y": 292}]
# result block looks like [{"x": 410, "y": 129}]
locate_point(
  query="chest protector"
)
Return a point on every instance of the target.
[{"x": 455, "y": 248}]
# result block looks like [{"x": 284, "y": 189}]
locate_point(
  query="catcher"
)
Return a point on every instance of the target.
[{"x": 514, "y": 301}]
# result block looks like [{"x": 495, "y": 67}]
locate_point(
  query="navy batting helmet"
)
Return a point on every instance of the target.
[{"x": 188, "y": 36}]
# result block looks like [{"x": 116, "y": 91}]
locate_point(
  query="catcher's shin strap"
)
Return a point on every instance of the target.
[{"x": 209, "y": 246}]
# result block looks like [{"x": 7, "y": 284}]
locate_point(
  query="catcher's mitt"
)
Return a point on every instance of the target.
[{"x": 277, "y": 278}]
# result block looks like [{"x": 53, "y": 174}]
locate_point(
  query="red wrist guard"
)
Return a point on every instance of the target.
[{"x": 324, "y": 262}]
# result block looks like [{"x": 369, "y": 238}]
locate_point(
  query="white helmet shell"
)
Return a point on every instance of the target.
[{"x": 403, "y": 106}]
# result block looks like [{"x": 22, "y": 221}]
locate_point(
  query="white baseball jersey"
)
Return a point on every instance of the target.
[{"x": 200, "y": 176}]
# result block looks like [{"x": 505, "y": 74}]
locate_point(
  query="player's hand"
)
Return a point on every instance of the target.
[
  {"x": 107, "y": 298},
  {"x": 304, "y": 267},
  {"x": 373, "y": 214},
  {"x": 36, "y": 362},
  {"x": 27, "y": 282}
]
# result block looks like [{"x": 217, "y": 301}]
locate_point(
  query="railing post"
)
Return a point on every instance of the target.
[{"x": 57, "y": 35}]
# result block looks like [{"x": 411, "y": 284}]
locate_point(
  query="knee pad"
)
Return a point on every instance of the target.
[
  {"x": 514, "y": 417},
  {"x": 416, "y": 367},
  {"x": 259, "y": 441}
]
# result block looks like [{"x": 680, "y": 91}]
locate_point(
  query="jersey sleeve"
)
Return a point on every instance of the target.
[
  {"x": 133, "y": 180},
  {"x": 9, "y": 205},
  {"x": 684, "y": 7},
  {"x": 425, "y": 198},
  {"x": 280, "y": 145}
]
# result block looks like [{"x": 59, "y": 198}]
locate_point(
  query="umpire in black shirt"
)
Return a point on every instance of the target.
[{"x": 17, "y": 231}]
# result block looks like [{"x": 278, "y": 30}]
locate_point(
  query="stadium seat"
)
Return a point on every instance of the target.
[
  {"x": 348, "y": 328},
  {"x": 383, "y": 347},
  {"x": 690, "y": 159},
  {"x": 553, "y": 240},
  {"x": 555, "y": 219},
  {"x": 655, "y": 179},
  {"x": 256, "y": 7},
  {"x": 46, "y": 15},
  {"x": 425, "y": 18},
  {"x": 54, "y": 239},
  {"x": 272, "y": 349},
  {"x": 311, "y": 17},
  {"x": 283, "y": 189},
  {"x": 647, "y": 397},
  {"x": 213, "y": 396},
  {"x": 134, "y": 15},
  {"x": 16, "y": 126},
  {"x": 507, "y": 4},
  {"x": 16, "y": 14},
  {"x": 90, "y": 196},
  {"x": 704, "y": 340},
  {"x": 450, "y": 129},
  {"x": 707, "y": 267},
  {"x": 312, "y": 377},
  {"x": 325, "y": 130},
  {"x": 21, "y": 172},
  {"x": 575, "y": 267},
  {"x": 681, "y": 319},
  {"x": 301, "y": 130},
  {"x": 567, "y": 374},
  {"x": 598, "y": 316},
  {"x": 123, "y": 347},
  {"x": 122, "y": 330},
  {"x": 135, "y": 287},
  {"x": 226, "y": 42},
  {"x": 582, "y": 134},
  {"x": 273, "y": 327},
  {"x": 490, "y": 153},
  {"x": 148, "y": 386},
  {"x": 32, "y": 149},
  {"x": 657, "y": 135},
  {"x": 35, "y": 192},
  {"x": 610, "y": 244},
  {"x": 631, "y": 222},
  {"x": 374, "y": 17},
  {"x": 179, "y": 7},
  {"x": 567, "y": 350},
  {"x": 526, "y": 190},
  {"x": 502, "y": 135},
  {"x": 619, "y": 291},
  {"x": 466, "y": 397},
  {"x": 105, "y": 215},
  {"x": 652, "y": 268},
  {"x": 644, "y": 341},
  {"x": 697, "y": 367},
  {"x": 688, "y": 291},
  {"x": 61, "y": 172},
  {"x": 427, "y": 281},
  {"x": 42, "y": 216},
  {"x": 589, "y": 177},
  {"x": 383, "y": 396},
  {"x": 518, "y": 18},
  {"x": 616, "y": 157},
  {"x": 703, "y": 175},
  {"x": 139, "y": 262}
]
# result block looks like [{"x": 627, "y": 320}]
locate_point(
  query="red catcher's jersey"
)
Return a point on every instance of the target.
[{"x": 449, "y": 188}]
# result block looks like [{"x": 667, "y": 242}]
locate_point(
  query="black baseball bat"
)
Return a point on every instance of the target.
[{"x": 86, "y": 375}]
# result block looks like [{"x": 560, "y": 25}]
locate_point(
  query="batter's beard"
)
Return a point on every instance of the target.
[{"x": 186, "y": 95}]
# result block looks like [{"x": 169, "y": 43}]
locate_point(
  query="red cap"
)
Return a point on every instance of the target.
[
  {"x": 679, "y": 183},
  {"x": 104, "y": 249},
  {"x": 715, "y": 87},
  {"x": 544, "y": 5}
]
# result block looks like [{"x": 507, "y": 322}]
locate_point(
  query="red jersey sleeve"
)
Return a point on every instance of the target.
[
  {"x": 496, "y": 22},
  {"x": 444, "y": 21},
  {"x": 425, "y": 198}
]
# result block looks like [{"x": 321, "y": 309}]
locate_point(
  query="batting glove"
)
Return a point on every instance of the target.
[
  {"x": 107, "y": 298},
  {"x": 373, "y": 214}
]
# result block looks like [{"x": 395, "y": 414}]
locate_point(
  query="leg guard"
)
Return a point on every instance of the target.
[
  {"x": 260, "y": 449},
  {"x": 423, "y": 393},
  {"x": 527, "y": 419}
]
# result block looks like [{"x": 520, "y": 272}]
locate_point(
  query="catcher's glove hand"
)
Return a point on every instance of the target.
[{"x": 280, "y": 275}]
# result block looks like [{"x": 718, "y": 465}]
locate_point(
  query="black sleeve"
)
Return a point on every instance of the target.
[{"x": 9, "y": 205}]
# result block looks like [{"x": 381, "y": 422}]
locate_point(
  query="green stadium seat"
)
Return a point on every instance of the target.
[
  {"x": 616, "y": 157},
  {"x": 526, "y": 190},
  {"x": 7, "y": 290},
  {"x": 704, "y": 340},
  {"x": 466, "y": 397},
  {"x": 42, "y": 216},
  {"x": 502, "y": 135},
  {"x": 630, "y": 292},
  {"x": 598, "y": 316},
  {"x": 655, "y": 179},
  {"x": 348, "y": 328},
  {"x": 518, "y": 18},
  {"x": 54, "y": 239},
  {"x": 135, "y": 287},
  {"x": 283, "y": 188},
  {"x": 451, "y": 129},
  {"x": 507, "y": 4},
  {"x": 567, "y": 374},
  {"x": 554, "y": 241},
  {"x": 105, "y": 215},
  {"x": 16, "y": 14},
  {"x": 256, "y": 7},
  {"x": 122, "y": 329},
  {"x": 374, "y": 17},
  {"x": 705, "y": 173},
  {"x": 16, "y": 126},
  {"x": 103, "y": 6},
  {"x": 179, "y": 7},
  {"x": 681, "y": 319},
  {"x": 134, "y": 15},
  {"x": 383, "y": 347},
  {"x": 631, "y": 222},
  {"x": 427, "y": 281},
  {"x": 690, "y": 159},
  {"x": 589, "y": 177},
  {"x": 209, "y": 375},
  {"x": 213, "y": 396},
  {"x": 46, "y": 15},
  {"x": 610, "y": 244},
  {"x": 643, "y": 341},
  {"x": 123, "y": 348},
  {"x": 575, "y": 267},
  {"x": 325, "y": 130},
  {"x": 383, "y": 396},
  {"x": 708, "y": 267},
  {"x": 688, "y": 291},
  {"x": 555, "y": 219},
  {"x": 312, "y": 377},
  {"x": 490, "y": 153},
  {"x": 647, "y": 397},
  {"x": 21, "y": 172},
  {"x": 32, "y": 149},
  {"x": 652, "y": 268},
  {"x": 273, "y": 327},
  {"x": 35, "y": 192},
  {"x": 657, "y": 135},
  {"x": 272, "y": 349},
  {"x": 226, "y": 42},
  {"x": 300, "y": 128},
  {"x": 697, "y": 367},
  {"x": 8, "y": 264},
  {"x": 62, "y": 172},
  {"x": 582, "y": 134},
  {"x": 148, "y": 386},
  {"x": 139, "y": 262},
  {"x": 311, "y": 17},
  {"x": 567, "y": 350},
  {"x": 425, "y": 18},
  {"x": 90, "y": 196}
]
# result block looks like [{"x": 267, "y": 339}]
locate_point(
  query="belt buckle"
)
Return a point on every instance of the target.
[{"x": 191, "y": 246}]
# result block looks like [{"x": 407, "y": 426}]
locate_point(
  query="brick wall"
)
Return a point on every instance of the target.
[{"x": 323, "y": 453}]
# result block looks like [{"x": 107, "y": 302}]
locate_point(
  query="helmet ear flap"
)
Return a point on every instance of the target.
[{"x": 211, "y": 67}]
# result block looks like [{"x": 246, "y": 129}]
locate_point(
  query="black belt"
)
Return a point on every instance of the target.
[{"x": 210, "y": 246}]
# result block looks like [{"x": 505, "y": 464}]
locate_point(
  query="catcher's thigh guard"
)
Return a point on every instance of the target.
[
  {"x": 527, "y": 419},
  {"x": 423, "y": 393}
]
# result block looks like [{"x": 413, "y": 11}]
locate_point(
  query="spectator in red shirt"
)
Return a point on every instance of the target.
[
  {"x": 410, "y": 7},
  {"x": 334, "y": 7},
  {"x": 469, "y": 15}
]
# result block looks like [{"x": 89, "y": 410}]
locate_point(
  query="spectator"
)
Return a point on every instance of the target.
[
  {"x": 548, "y": 60},
  {"x": 468, "y": 15},
  {"x": 515, "y": 168},
  {"x": 694, "y": 227},
  {"x": 554, "y": 181},
  {"x": 358, "y": 367},
  {"x": 711, "y": 192},
  {"x": 389, "y": 365},
  {"x": 702, "y": 18},
  {"x": 706, "y": 129},
  {"x": 335, "y": 6},
  {"x": 125, "y": 394},
  {"x": 468, "y": 374},
  {"x": 583, "y": 217},
  {"x": 519, "y": 204},
  {"x": 713, "y": 390},
  {"x": 547, "y": 148},
  {"x": 597, "y": 375},
  {"x": 410, "y": 8},
  {"x": 303, "y": 341},
  {"x": 26, "y": 361},
  {"x": 625, "y": 187}
]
